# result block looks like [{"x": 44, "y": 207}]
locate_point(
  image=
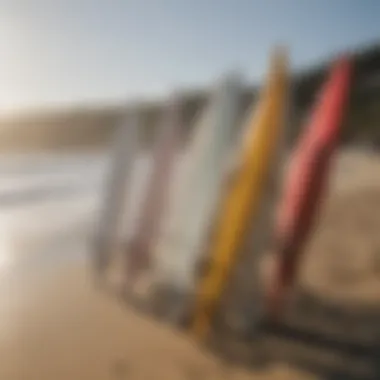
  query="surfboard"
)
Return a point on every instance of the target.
[
  {"x": 156, "y": 195},
  {"x": 197, "y": 190},
  {"x": 241, "y": 306},
  {"x": 243, "y": 197},
  {"x": 306, "y": 184},
  {"x": 117, "y": 185}
]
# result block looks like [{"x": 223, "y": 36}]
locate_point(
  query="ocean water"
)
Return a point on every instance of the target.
[{"x": 49, "y": 205}]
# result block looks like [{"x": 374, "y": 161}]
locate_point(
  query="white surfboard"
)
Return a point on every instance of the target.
[
  {"x": 198, "y": 188},
  {"x": 117, "y": 185}
]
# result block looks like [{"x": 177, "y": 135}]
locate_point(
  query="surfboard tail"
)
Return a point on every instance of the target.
[{"x": 305, "y": 186}]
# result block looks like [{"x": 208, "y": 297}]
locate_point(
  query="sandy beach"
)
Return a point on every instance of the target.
[{"x": 54, "y": 324}]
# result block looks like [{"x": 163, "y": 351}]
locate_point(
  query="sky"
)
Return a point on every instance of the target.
[{"x": 55, "y": 53}]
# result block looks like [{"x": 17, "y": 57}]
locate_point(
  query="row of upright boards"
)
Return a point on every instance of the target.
[{"x": 210, "y": 209}]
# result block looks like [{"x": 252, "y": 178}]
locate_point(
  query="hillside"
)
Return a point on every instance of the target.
[
  {"x": 77, "y": 129},
  {"x": 92, "y": 127}
]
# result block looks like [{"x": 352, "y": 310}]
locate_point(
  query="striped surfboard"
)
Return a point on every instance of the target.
[{"x": 157, "y": 192}]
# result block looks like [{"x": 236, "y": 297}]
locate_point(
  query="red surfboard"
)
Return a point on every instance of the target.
[
  {"x": 306, "y": 184},
  {"x": 163, "y": 159}
]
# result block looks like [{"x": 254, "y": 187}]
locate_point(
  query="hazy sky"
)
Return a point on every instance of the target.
[{"x": 63, "y": 51}]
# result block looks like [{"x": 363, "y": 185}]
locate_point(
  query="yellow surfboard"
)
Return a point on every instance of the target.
[{"x": 243, "y": 197}]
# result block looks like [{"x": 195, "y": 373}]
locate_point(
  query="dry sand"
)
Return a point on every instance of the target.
[
  {"x": 343, "y": 257},
  {"x": 55, "y": 325}
]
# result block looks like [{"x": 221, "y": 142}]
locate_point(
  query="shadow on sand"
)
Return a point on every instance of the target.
[{"x": 326, "y": 339}]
